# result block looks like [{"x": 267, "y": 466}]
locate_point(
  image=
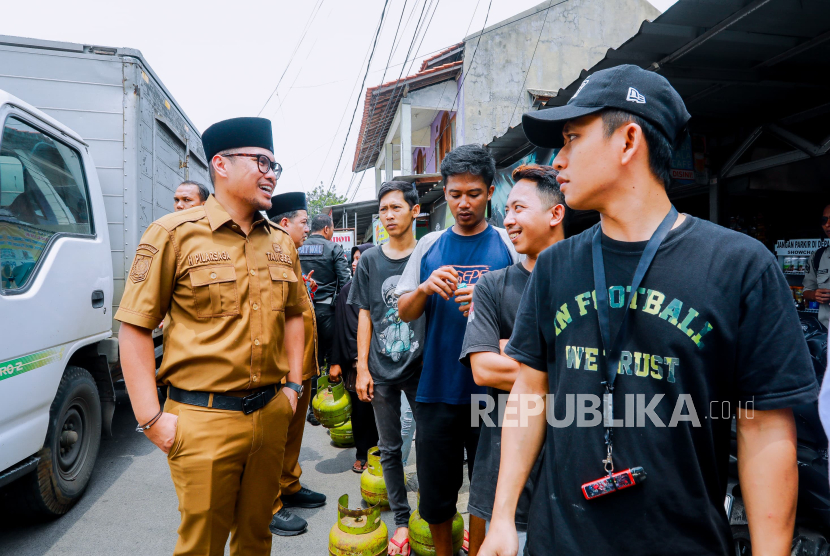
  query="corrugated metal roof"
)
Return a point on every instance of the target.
[{"x": 748, "y": 61}]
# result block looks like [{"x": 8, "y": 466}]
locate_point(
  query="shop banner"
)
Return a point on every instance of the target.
[
  {"x": 345, "y": 238},
  {"x": 804, "y": 247}
]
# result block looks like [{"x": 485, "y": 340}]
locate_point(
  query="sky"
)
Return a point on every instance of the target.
[{"x": 299, "y": 62}]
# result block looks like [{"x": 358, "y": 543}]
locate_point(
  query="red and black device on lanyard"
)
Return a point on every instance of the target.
[{"x": 634, "y": 475}]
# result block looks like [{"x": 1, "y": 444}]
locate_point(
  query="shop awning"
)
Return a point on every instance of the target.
[{"x": 754, "y": 64}]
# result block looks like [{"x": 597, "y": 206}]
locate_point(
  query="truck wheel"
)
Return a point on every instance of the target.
[{"x": 71, "y": 447}]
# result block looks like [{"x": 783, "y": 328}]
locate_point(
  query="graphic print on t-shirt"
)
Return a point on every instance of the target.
[
  {"x": 637, "y": 363},
  {"x": 397, "y": 337}
]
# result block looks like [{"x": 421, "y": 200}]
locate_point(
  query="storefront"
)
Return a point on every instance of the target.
[{"x": 752, "y": 76}]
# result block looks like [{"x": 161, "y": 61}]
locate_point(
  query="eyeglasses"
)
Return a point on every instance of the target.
[
  {"x": 264, "y": 163},
  {"x": 824, "y": 220}
]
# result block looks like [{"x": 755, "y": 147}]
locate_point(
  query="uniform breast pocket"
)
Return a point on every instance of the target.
[
  {"x": 214, "y": 291},
  {"x": 281, "y": 279}
]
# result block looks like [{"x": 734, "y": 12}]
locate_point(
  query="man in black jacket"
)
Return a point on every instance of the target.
[{"x": 331, "y": 271}]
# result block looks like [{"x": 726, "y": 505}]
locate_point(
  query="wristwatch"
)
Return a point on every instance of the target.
[{"x": 296, "y": 387}]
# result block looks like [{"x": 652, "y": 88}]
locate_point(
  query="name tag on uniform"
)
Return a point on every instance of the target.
[
  {"x": 310, "y": 250},
  {"x": 822, "y": 271}
]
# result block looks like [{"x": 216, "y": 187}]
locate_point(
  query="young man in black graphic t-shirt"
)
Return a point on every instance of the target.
[{"x": 711, "y": 325}]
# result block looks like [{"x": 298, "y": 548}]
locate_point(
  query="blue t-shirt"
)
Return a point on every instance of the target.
[{"x": 444, "y": 379}]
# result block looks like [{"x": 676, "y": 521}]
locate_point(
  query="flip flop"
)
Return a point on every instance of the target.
[
  {"x": 465, "y": 544},
  {"x": 401, "y": 545},
  {"x": 359, "y": 466}
]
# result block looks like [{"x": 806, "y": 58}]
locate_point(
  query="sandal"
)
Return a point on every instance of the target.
[
  {"x": 465, "y": 544},
  {"x": 359, "y": 466},
  {"x": 401, "y": 545}
]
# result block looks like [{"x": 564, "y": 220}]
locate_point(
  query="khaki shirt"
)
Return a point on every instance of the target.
[
  {"x": 227, "y": 296},
  {"x": 310, "y": 368}
]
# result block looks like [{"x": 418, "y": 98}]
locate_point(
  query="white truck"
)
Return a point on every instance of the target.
[{"x": 92, "y": 147}]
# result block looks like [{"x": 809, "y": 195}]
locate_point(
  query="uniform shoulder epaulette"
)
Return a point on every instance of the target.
[{"x": 175, "y": 219}]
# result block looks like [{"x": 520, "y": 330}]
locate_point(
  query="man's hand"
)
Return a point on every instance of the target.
[
  {"x": 442, "y": 281},
  {"x": 335, "y": 373},
  {"x": 502, "y": 344},
  {"x": 464, "y": 298},
  {"x": 292, "y": 396},
  {"x": 163, "y": 431},
  {"x": 365, "y": 385},
  {"x": 501, "y": 540},
  {"x": 823, "y": 296}
]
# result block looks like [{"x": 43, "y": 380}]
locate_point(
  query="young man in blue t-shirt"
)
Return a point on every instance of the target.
[{"x": 438, "y": 281}]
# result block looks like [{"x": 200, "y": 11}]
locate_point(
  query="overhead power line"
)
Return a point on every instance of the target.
[
  {"x": 314, "y": 11},
  {"x": 365, "y": 75},
  {"x": 463, "y": 78},
  {"x": 527, "y": 71},
  {"x": 394, "y": 91}
]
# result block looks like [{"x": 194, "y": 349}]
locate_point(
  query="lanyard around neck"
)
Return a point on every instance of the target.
[{"x": 613, "y": 350}]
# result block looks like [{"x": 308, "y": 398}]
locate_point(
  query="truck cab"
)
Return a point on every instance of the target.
[{"x": 56, "y": 290}]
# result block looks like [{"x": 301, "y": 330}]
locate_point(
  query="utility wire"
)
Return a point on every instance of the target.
[
  {"x": 392, "y": 97},
  {"x": 375, "y": 101},
  {"x": 314, "y": 11},
  {"x": 527, "y": 71},
  {"x": 464, "y": 77},
  {"x": 357, "y": 104},
  {"x": 395, "y": 89}
]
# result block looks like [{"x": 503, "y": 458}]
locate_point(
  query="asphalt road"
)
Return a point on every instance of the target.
[{"x": 130, "y": 507}]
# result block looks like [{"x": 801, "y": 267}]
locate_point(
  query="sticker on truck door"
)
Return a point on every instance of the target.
[{"x": 20, "y": 365}]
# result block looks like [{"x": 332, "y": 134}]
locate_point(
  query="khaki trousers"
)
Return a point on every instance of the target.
[
  {"x": 222, "y": 466},
  {"x": 291, "y": 470}
]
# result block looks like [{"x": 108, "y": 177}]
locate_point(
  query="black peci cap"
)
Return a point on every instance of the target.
[
  {"x": 236, "y": 133},
  {"x": 629, "y": 88},
  {"x": 286, "y": 202}
]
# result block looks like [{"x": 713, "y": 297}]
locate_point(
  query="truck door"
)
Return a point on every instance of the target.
[{"x": 55, "y": 273}]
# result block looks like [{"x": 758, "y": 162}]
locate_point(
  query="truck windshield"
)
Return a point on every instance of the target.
[{"x": 43, "y": 193}]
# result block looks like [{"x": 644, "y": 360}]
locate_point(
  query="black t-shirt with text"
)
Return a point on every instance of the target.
[{"x": 712, "y": 327}]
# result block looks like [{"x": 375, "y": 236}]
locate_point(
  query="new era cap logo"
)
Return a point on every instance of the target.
[
  {"x": 580, "y": 89},
  {"x": 635, "y": 96}
]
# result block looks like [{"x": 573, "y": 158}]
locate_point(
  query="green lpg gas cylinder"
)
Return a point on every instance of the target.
[
  {"x": 342, "y": 436},
  {"x": 332, "y": 405},
  {"x": 372, "y": 485},
  {"x": 420, "y": 538},
  {"x": 357, "y": 532}
]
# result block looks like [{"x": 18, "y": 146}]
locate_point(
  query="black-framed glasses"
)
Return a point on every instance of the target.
[
  {"x": 824, "y": 220},
  {"x": 264, "y": 163}
]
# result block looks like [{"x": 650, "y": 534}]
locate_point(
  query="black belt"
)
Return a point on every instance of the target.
[{"x": 248, "y": 404}]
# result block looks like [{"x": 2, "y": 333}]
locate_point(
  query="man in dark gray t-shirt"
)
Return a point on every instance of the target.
[
  {"x": 534, "y": 214},
  {"x": 389, "y": 350}
]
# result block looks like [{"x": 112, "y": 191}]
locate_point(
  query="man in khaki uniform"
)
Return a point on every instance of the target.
[
  {"x": 290, "y": 212},
  {"x": 229, "y": 281}
]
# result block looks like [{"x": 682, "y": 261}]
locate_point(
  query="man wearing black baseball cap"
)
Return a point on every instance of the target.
[{"x": 639, "y": 327}]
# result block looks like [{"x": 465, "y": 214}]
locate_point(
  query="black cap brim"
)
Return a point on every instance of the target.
[{"x": 543, "y": 128}]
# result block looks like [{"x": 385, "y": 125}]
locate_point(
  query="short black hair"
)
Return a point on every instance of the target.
[
  {"x": 320, "y": 221},
  {"x": 546, "y": 185},
  {"x": 204, "y": 192},
  {"x": 410, "y": 194},
  {"x": 469, "y": 159},
  {"x": 291, "y": 215},
  {"x": 660, "y": 151}
]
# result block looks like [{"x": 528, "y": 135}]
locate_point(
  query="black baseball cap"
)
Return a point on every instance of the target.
[{"x": 629, "y": 88}]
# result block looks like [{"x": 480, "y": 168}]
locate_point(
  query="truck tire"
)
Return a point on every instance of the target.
[{"x": 69, "y": 451}]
